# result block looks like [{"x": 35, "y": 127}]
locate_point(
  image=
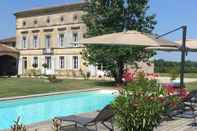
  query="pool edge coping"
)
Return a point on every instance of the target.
[
  {"x": 48, "y": 94},
  {"x": 53, "y": 93}
]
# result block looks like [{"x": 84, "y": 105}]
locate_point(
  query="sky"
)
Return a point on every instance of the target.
[{"x": 170, "y": 14}]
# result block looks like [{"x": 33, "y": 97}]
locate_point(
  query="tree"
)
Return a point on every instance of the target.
[{"x": 108, "y": 16}]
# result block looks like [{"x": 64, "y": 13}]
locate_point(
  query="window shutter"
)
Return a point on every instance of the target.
[
  {"x": 70, "y": 39},
  {"x": 21, "y": 42},
  {"x": 65, "y": 39},
  {"x": 38, "y": 41},
  {"x": 58, "y": 41},
  {"x": 79, "y": 62}
]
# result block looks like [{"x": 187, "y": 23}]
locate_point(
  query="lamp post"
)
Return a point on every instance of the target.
[{"x": 183, "y": 51}]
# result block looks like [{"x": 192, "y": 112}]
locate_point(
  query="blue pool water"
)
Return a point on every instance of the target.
[{"x": 37, "y": 109}]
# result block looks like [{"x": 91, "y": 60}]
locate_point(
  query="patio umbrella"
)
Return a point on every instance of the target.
[
  {"x": 133, "y": 38},
  {"x": 190, "y": 44},
  {"x": 168, "y": 49}
]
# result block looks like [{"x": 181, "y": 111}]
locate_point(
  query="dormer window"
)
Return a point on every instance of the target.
[
  {"x": 24, "y": 23},
  {"x": 35, "y": 22}
]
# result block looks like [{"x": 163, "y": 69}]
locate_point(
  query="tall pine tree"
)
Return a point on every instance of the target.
[{"x": 108, "y": 16}]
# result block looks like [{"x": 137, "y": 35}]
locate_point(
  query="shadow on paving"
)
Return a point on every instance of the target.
[{"x": 71, "y": 128}]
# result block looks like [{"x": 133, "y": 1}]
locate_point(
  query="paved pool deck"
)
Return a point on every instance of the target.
[{"x": 178, "y": 124}]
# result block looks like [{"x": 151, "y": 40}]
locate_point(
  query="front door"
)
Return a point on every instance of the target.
[
  {"x": 48, "y": 61},
  {"x": 24, "y": 65}
]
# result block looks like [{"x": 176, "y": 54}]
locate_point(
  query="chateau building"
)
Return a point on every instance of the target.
[
  {"x": 48, "y": 42},
  {"x": 51, "y": 36}
]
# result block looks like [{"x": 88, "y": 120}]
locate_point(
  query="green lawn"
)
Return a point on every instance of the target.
[
  {"x": 187, "y": 75},
  {"x": 28, "y": 86},
  {"x": 191, "y": 86}
]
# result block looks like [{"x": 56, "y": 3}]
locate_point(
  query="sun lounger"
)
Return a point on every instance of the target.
[{"x": 105, "y": 115}]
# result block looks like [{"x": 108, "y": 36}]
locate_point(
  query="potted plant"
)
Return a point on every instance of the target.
[{"x": 34, "y": 65}]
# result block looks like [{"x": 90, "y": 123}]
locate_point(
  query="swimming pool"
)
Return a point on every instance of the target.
[{"x": 37, "y": 109}]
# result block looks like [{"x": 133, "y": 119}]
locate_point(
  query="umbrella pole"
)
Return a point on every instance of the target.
[
  {"x": 183, "y": 51},
  {"x": 183, "y": 54}
]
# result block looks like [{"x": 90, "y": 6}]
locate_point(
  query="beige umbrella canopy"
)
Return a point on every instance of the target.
[
  {"x": 190, "y": 44},
  {"x": 168, "y": 49},
  {"x": 134, "y": 38}
]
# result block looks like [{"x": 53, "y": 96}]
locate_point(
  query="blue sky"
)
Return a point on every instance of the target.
[{"x": 170, "y": 14}]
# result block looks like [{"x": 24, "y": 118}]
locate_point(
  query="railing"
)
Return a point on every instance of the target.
[{"x": 47, "y": 51}]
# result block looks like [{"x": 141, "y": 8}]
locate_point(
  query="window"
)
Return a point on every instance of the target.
[
  {"x": 47, "y": 41},
  {"x": 62, "y": 19},
  {"x": 75, "y": 39},
  {"x": 48, "y": 20},
  {"x": 75, "y": 62},
  {"x": 35, "y": 62},
  {"x": 24, "y": 42},
  {"x": 62, "y": 62},
  {"x": 61, "y": 40},
  {"x": 24, "y": 23},
  {"x": 24, "y": 63},
  {"x": 35, "y": 41},
  {"x": 99, "y": 66},
  {"x": 75, "y": 17},
  {"x": 35, "y": 22},
  {"x": 48, "y": 61}
]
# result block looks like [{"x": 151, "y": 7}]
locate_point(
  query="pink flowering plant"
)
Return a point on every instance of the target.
[{"x": 140, "y": 105}]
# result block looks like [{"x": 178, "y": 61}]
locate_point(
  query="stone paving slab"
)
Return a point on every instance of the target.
[{"x": 178, "y": 124}]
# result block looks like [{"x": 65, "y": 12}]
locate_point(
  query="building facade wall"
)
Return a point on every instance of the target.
[
  {"x": 68, "y": 24},
  {"x": 39, "y": 36}
]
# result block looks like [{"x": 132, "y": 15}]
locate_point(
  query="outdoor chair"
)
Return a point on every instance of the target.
[
  {"x": 192, "y": 101},
  {"x": 105, "y": 115},
  {"x": 189, "y": 108}
]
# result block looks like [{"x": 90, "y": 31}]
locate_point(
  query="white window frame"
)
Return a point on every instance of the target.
[
  {"x": 35, "y": 41},
  {"x": 61, "y": 41},
  {"x": 75, "y": 39},
  {"x": 35, "y": 61},
  {"x": 75, "y": 62},
  {"x": 47, "y": 41},
  {"x": 24, "y": 42},
  {"x": 50, "y": 62},
  {"x": 62, "y": 62},
  {"x": 24, "y": 63}
]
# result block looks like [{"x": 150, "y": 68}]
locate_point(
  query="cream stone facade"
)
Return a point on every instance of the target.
[{"x": 51, "y": 36}]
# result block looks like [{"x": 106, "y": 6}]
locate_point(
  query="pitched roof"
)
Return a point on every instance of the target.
[
  {"x": 53, "y": 9},
  {"x": 7, "y": 49},
  {"x": 8, "y": 40}
]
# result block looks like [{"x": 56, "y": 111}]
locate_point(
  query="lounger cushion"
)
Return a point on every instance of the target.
[
  {"x": 73, "y": 118},
  {"x": 188, "y": 114}
]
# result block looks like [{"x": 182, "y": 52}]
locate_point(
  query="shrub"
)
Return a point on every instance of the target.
[
  {"x": 85, "y": 75},
  {"x": 56, "y": 125},
  {"x": 173, "y": 73},
  {"x": 45, "y": 65},
  {"x": 138, "y": 108},
  {"x": 52, "y": 78},
  {"x": 17, "y": 126},
  {"x": 88, "y": 74}
]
